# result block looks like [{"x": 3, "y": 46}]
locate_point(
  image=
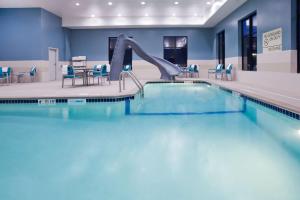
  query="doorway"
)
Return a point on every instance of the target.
[
  {"x": 111, "y": 47},
  {"x": 53, "y": 64},
  {"x": 176, "y": 50}
]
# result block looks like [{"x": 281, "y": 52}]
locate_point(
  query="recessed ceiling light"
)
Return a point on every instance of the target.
[
  {"x": 77, "y": 4},
  {"x": 208, "y": 3},
  {"x": 146, "y": 15},
  {"x": 93, "y": 16},
  {"x": 176, "y": 2},
  {"x": 110, "y": 3},
  {"x": 119, "y": 15},
  {"x": 143, "y": 3},
  {"x": 174, "y": 14}
]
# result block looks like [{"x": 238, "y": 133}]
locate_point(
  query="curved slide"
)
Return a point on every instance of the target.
[{"x": 167, "y": 69}]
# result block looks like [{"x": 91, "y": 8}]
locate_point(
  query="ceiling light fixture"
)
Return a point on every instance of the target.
[
  {"x": 176, "y": 2},
  {"x": 110, "y": 3},
  {"x": 146, "y": 15},
  {"x": 208, "y": 3},
  {"x": 173, "y": 14},
  {"x": 119, "y": 15},
  {"x": 143, "y": 3},
  {"x": 77, "y": 4},
  {"x": 93, "y": 16},
  {"x": 196, "y": 14}
]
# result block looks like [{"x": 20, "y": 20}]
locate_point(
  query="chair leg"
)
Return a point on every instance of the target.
[{"x": 62, "y": 84}]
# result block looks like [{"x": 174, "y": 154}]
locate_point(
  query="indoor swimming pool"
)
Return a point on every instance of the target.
[{"x": 180, "y": 142}]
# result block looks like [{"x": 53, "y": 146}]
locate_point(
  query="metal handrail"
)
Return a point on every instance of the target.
[{"x": 133, "y": 77}]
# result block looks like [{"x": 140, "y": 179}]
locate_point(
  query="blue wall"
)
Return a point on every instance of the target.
[
  {"x": 53, "y": 35},
  {"x": 20, "y": 34},
  {"x": 27, "y": 33},
  {"x": 94, "y": 42},
  {"x": 270, "y": 15}
]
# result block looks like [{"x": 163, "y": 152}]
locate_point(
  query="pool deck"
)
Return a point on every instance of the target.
[{"x": 44, "y": 90}]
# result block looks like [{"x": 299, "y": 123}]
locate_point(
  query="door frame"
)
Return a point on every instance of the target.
[{"x": 56, "y": 50}]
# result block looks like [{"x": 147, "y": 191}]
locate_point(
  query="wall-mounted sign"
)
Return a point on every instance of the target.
[{"x": 272, "y": 41}]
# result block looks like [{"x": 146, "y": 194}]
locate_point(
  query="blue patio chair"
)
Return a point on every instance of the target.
[
  {"x": 193, "y": 69},
  {"x": 105, "y": 71},
  {"x": 127, "y": 68},
  {"x": 217, "y": 71},
  {"x": 69, "y": 73},
  {"x": 33, "y": 73},
  {"x": 228, "y": 71},
  {"x": 5, "y": 75},
  {"x": 96, "y": 73}
]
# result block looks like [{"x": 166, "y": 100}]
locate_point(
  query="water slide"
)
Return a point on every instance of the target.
[{"x": 167, "y": 69}]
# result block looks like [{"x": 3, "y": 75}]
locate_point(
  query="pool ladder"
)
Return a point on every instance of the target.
[{"x": 134, "y": 78}]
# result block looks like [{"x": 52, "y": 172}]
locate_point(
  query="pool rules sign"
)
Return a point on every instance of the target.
[{"x": 272, "y": 41}]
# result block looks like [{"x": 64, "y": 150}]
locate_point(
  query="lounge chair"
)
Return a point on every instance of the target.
[
  {"x": 5, "y": 74},
  {"x": 69, "y": 73},
  {"x": 217, "y": 71},
  {"x": 193, "y": 69}
]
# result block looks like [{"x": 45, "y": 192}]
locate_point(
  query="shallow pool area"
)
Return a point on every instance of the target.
[{"x": 181, "y": 141}]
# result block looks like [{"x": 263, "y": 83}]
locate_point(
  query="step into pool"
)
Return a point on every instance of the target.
[{"x": 179, "y": 142}]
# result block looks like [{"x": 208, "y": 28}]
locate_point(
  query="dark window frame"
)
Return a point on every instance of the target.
[
  {"x": 175, "y": 48},
  {"x": 250, "y": 38},
  {"x": 221, "y": 58},
  {"x": 110, "y": 54},
  {"x": 298, "y": 36}
]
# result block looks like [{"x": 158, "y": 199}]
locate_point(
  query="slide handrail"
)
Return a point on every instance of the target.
[{"x": 133, "y": 77}]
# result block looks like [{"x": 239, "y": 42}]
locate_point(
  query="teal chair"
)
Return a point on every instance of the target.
[
  {"x": 6, "y": 75},
  {"x": 69, "y": 73},
  {"x": 100, "y": 72},
  {"x": 33, "y": 73},
  {"x": 96, "y": 73},
  {"x": 127, "y": 68},
  {"x": 192, "y": 70},
  {"x": 105, "y": 71},
  {"x": 217, "y": 71},
  {"x": 228, "y": 72}
]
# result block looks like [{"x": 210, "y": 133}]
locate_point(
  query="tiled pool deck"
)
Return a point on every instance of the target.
[{"x": 48, "y": 90}]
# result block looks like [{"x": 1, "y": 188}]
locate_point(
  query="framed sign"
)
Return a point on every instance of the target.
[{"x": 272, "y": 41}]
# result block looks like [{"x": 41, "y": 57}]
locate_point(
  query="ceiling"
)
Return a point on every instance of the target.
[{"x": 133, "y": 13}]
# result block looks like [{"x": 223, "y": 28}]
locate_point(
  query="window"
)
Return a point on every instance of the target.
[
  {"x": 111, "y": 47},
  {"x": 249, "y": 43},
  {"x": 221, "y": 47},
  {"x": 175, "y": 49}
]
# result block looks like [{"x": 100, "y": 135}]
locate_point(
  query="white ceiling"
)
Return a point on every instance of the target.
[{"x": 131, "y": 13}]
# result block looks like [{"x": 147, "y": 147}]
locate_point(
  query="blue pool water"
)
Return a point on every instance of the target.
[{"x": 181, "y": 142}]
